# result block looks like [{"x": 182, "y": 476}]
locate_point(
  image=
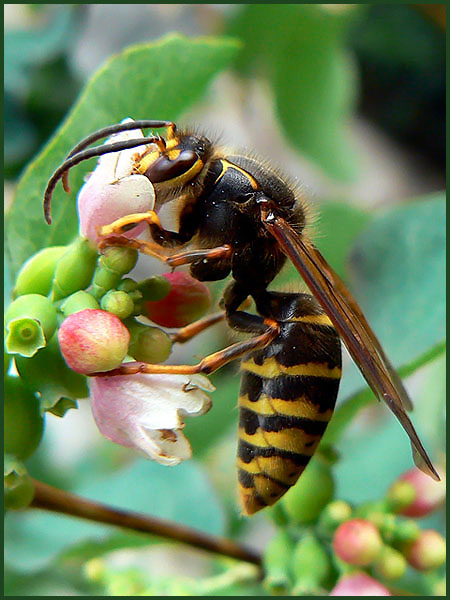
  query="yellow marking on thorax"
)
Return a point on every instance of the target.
[
  {"x": 287, "y": 439},
  {"x": 315, "y": 319},
  {"x": 272, "y": 368},
  {"x": 228, "y": 165},
  {"x": 300, "y": 407}
]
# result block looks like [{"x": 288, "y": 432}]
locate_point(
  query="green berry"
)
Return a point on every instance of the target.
[
  {"x": 276, "y": 563},
  {"x": 310, "y": 565},
  {"x": 149, "y": 344},
  {"x": 119, "y": 260},
  {"x": 154, "y": 288},
  {"x": 30, "y": 321},
  {"x": 118, "y": 303},
  {"x": 74, "y": 269},
  {"x": 304, "y": 502},
  {"x": 36, "y": 275},
  {"x": 78, "y": 301},
  {"x": 23, "y": 423}
]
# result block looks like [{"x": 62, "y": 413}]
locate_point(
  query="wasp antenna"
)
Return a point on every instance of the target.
[
  {"x": 63, "y": 170},
  {"x": 118, "y": 128}
]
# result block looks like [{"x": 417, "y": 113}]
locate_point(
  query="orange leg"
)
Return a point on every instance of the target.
[
  {"x": 207, "y": 365},
  {"x": 187, "y": 333}
]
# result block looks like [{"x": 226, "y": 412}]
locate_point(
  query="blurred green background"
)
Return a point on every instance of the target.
[{"x": 346, "y": 99}]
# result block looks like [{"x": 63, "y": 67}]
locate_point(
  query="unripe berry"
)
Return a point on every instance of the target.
[
  {"x": 186, "y": 302},
  {"x": 154, "y": 288},
  {"x": 276, "y": 562},
  {"x": 357, "y": 542},
  {"x": 389, "y": 564},
  {"x": 36, "y": 275},
  {"x": 93, "y": 341},
  {"x": 427, "y": 552},
  {"x": 119, "y": 260},
  {"x": 31, "y": 322},
  {"x": 305, "y": 500},
  {"x": 310, "y": 565},
  {"x": 335, "y": 513},
  {"x": 118, "y": 303},
  {"x": 78, "y": 301},
  {"x": 74, "y": 269},
  {"x": 23, "y": 422},
  {"x": 149, "y": 344},
  {"x": 427, "y": 494}
]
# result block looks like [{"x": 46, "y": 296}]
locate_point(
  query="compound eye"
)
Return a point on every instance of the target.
[{"x": 164, "y": 168}]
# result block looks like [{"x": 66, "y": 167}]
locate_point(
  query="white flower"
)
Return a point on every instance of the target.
[
  {"x": 113, "y": 191},
  {"x": 146, "y": 412}
]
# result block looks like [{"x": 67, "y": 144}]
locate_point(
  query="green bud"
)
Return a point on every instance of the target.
[
  {"x": 36, "y": 275},
  {"x": 78, "y": 301},
  {"x": 389, "y": 564},
  {"x": 305, "y": 500},
  {"x": 74, "y": 269},
  {"x": 310, "y": 565},
  {"x": 405, "y": 532},
  {"x": 128, "y": 285},
  {"x": 18, "y": 486},
  {"x": 48, "y": 374},
  {"x": 118, "y": 303},
  {"x": 30, "y": 321},
  {"x": 104, "y": 280},
  {"x": 276, "y": 560},
  {"x": 401, "y": 494},
  {"x": 119, "y": 260},
  {"x": 333, "y": 515},
  {"x": 149, "y": 344},
  {"x": 23, "y": 422},
  {"x": 154, "y": 288}
]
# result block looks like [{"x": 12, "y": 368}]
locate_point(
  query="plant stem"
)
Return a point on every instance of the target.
[{"x": 50, "y": 498}]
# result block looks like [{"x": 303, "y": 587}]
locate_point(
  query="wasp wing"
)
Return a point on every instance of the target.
[{"x": 345, "y": 314}]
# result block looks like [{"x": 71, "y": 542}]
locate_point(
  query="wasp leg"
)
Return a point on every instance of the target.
[
  {"x": 128, "y": 222},
  {"x": 207, "y": 365},
  {"x": 140, "y": 245},
  {"x": 190, "y": 256},
  {"x": 187, "y": 333}
]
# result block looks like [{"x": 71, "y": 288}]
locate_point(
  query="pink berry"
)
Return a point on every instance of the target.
[
  {"x": 428, "y": 552},
  {"x": 429, "y": 494},
  {"x": 187, "y": 301},
  {"x": 93, "y": 341},
  {"x": 359, "y": 584},
  {"x": 357, "y": 542}
]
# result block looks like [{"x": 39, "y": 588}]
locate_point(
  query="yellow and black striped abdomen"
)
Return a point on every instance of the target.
[{"x": 287, "y": 397}]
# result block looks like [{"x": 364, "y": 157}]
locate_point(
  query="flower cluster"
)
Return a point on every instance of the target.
[
  {"x": 81, "y": 311},
  {"x": 344, "y": 550}
]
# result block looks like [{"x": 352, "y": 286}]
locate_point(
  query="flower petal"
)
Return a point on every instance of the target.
[{"x": 146, "y": 411}]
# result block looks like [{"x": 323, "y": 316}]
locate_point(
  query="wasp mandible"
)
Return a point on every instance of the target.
[{"x": 237, "y": 215}]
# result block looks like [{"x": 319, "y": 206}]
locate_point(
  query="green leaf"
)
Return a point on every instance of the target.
[
  {"x": 181, "y": 494},
  {"x": 157, "y": 80},
  {"x": 303, "y": 50},
  {"x": 398, "y": 274}
]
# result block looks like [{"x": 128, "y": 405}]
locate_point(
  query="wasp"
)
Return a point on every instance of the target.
[{"x": 239, "y": 216}]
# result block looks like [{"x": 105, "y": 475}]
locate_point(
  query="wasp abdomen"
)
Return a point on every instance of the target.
[{"x": 287, "y": 397}]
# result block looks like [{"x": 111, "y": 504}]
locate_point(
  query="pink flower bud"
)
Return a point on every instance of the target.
[
  {"x": 428, "y": 552},
  {"x": 187, "y": 301},
  {"x": 428, "y": 496},
  {"x": 113, "y": 190},
  {"x": 359, "y": 584},
  {"x": 146, "y": 412},
  {"x": 93, "y": 341},
  {"x": 357, "y": 542}
]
